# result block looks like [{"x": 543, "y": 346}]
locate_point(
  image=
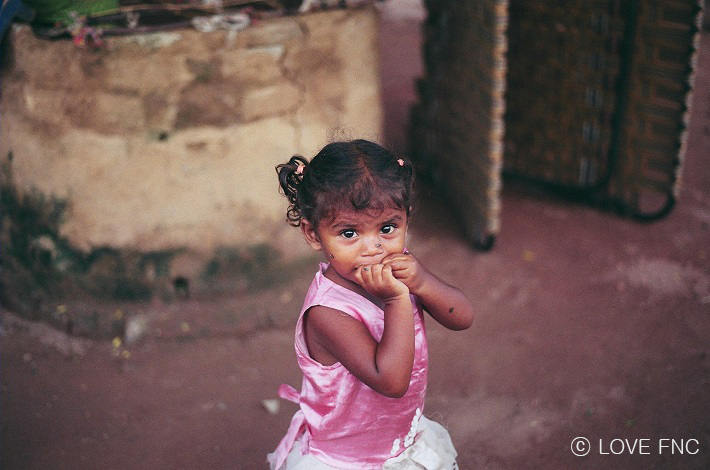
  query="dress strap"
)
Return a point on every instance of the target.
[{"x": 289, "y": 393}]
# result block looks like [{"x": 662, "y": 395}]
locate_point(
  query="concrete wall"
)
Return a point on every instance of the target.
[{"x": 169, "y": 140}]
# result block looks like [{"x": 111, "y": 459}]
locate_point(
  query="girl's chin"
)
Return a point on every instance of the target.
[{"x": 350, "y": 278}]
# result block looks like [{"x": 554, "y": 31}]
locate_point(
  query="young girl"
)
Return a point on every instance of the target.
[{"x": 360, "y": 337}]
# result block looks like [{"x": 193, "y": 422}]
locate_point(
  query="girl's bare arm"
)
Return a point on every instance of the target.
[
  {"x": 385, "y": 366},
  {"x": 447, "y": 304}
]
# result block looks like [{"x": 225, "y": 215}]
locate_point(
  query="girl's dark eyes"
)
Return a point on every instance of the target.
[
  {"x": 348, "y": 233},
  {"x": 352, "y": 233}
]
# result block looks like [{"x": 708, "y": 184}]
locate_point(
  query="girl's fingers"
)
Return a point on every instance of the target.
[
  {"x": 377, "y": 273},
  {"x": 379, "y": 280},
  {"x": 360, "y": 274},
  {"x": 367, "y": 274},
  {"x": 394, "y": 257},
  {"x": 398, "y": 264},
  {"x": 390, "y": 258},
  {"x": 373, "y": 274},
  {"x": 401, "y": 268},
  {"x": 386, "y": 270},
  {"x": 387, "y": 274}
]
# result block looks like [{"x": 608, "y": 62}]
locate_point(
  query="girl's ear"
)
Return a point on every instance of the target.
[{"x": 309, "y": 232}]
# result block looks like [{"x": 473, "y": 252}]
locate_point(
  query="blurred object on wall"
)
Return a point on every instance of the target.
[
  {"x": 12, "y": 9},
  {"x": 59, "y": 11},
  {"x": 124, "y": 18},
  {"x": 91, "y": 19}
]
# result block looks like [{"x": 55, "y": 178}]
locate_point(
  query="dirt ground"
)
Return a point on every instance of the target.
[{"x": 588, "y": 325}]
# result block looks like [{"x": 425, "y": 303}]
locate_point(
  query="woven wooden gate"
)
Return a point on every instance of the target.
[
  {"x": 596, "y": 101},
  {"x": 457, "y": 126}
]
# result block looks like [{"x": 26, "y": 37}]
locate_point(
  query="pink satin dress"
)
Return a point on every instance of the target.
[{"x": 342, "y": 422}]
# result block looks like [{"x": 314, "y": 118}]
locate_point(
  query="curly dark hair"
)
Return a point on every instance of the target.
[{"x": 356, "y": 175}]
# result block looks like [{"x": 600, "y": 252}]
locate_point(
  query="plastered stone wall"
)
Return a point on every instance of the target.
[{"x": 169, "y": 140}]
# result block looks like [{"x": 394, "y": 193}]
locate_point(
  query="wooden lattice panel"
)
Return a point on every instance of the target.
[
  {"x": 592, "y": 95},
  {"x": 562, "y": 74},
  {"x": 651, "y": 141},
  {"x": 457, "y": 127},
  {"x": 597, "y": 93}
]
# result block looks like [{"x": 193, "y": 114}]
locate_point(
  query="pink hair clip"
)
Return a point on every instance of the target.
[
  {"x": 401, "y": 162},
  {"x": 299, "y": 170}
]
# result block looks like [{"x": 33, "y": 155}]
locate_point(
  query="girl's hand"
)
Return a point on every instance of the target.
[
  {"x": 407, "y": 269},
  {"x": 379, "y": 281},
  {"x": 447, "y": 304}
]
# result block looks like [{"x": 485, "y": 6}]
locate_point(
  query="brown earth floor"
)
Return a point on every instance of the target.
[{"x": 588, "y": 325}]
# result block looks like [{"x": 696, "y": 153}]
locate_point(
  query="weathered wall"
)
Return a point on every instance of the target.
[{"x": 169, "y": 140}]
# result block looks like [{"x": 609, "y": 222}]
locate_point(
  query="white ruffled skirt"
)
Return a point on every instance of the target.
[{"x": 433, "y": 450}]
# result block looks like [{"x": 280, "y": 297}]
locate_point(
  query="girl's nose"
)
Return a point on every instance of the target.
[{"x": 373, "y": 247}]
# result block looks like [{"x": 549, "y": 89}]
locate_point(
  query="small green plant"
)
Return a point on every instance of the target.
[{"x": 59, "y": 11}]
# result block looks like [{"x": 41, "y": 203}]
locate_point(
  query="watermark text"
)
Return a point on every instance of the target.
[{"x": 582, "y": 446}]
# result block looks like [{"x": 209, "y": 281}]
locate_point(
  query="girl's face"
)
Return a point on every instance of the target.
[{"x": 356, "y": 238}]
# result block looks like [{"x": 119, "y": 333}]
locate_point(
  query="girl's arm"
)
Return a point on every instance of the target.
[
  {"x": 447, "y": 304},
  {"x": 333, "y": 336}
]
